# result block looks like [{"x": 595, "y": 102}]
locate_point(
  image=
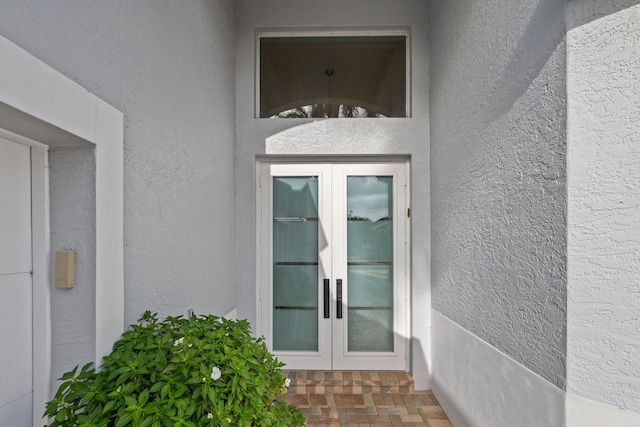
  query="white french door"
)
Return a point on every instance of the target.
[{"x": 334, "y": 265}]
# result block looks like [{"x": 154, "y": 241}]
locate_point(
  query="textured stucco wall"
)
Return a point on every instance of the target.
[
  {"x": 409, "y": 136},
  {"x": 178, "y": 90},
  {"x": 169, "y": 66},
  {"x": 72, "y": 210},
  {"x": 604, "y": 195},
  {"x": 498, "y": 175}
]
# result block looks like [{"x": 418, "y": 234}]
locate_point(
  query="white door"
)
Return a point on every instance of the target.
[
  {"x": 16, "y": 366},
  {"x": 334, "y": 262}
]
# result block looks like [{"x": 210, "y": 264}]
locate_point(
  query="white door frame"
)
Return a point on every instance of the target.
[
  {"x": 41, "y": 273},
  {"x": 263, "y": 264}
]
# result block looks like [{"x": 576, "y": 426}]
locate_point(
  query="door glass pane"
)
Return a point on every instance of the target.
[
  {"x": 370, "y": 263},
  {"x": 295, "y": 264}
]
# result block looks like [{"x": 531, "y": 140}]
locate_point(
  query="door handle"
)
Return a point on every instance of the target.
[
  {"x": 326, "y": 299},
  {"x": 339, "y": 299}
]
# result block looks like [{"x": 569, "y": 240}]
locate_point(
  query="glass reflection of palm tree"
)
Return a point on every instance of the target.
[
  {"x": 323, "y": 111},
  {"x": 314, "y": 111},
  {"x": 353, "y": 111}
]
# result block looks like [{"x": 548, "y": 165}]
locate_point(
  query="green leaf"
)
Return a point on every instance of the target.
[
  {"x": 69, "y": 375},
  {"x": 86, "y": 398},
  {"x": 130, "y": 400},
  {"x": 117, "y": 372},
  {"x": 108, "y": 406},
  {"x": 62, "y": 415},
  {"x": 124, "y": 419},
  {"x": 156, "y": 387},
  {"x": 146, "y": 422},
  {"x": 165, "y": 391},
  {"x": 212, "y": 395},
  {"x": 144, "y": 397}
]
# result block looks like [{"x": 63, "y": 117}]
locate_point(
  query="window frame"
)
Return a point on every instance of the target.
[{"x": 328, "y": 33}]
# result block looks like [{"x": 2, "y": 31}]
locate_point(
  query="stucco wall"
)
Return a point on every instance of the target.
[
  {"x": 72, "y": 178},
  {"x": 178, "y": 90},
  {"x": 604, "y": 188},
  {"x": 335, "y": 137},
  {"x": 498, "y": 175},
  {"x": 169, "y": 67}
]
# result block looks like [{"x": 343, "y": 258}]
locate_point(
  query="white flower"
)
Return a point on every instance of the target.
[
  {"x": 287, "y": 382},
  {"x": 178, "y": 341},
  {"x": 210, "y": 415},
  {"x": 215, "y": 373}
]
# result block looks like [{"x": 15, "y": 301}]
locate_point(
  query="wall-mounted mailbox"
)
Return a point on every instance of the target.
[{"x": 65, "y": 265}]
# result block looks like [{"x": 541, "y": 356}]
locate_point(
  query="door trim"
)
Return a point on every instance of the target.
[
  {"x": 40, "y": 264},
  {"x": 262, "y": 238}
]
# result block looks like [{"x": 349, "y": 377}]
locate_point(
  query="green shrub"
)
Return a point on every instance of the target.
[{"x": 201, "y": 371}]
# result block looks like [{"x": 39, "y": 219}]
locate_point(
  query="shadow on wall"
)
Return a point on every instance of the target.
[
  {"x": 543, "y": 35},
  {"x": 581, "y": 12},
  {"x": 420, "y": 359}
]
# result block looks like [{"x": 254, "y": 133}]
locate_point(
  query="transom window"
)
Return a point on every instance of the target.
[{"x": 339, "y": 77}]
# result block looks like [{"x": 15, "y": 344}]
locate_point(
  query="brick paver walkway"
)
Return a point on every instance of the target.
[{"x": 363, "y": 399}]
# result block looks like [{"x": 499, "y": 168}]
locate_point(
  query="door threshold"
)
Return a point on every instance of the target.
[{"x": 353, "y": 382}]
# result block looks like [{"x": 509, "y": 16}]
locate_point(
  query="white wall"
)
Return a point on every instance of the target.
[
  {"x": 170, "y": 68},
  {"x": 282, "y": 137},
  {"x": 477, "y": 385},
  {"x": 603, "y": 71}
]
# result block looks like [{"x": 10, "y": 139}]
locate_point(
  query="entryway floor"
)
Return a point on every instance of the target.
[{"x": 363, "y": 399}]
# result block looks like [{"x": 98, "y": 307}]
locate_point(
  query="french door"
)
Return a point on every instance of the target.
[{"x": 334, "y": 265}]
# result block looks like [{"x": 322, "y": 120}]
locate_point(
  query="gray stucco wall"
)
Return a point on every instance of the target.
[
  {"x": 72, "y": 195},
  {"x": 498, "y": 175},
  {"x": 169, "y": 66},
  {"x": 336, "y": 137},
  {"x": 178, "y": 90},
  {"x": 604, "y": 187}
]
